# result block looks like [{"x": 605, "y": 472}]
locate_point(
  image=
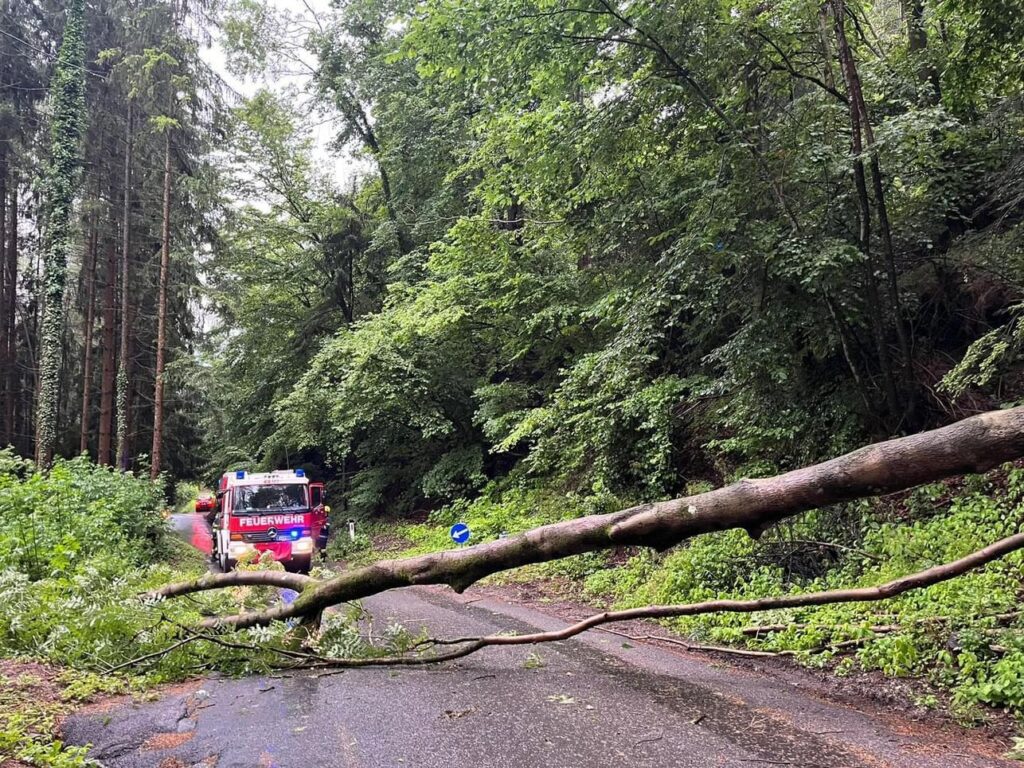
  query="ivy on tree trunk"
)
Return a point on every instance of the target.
[
  {"x": 60, "y": 184},
  {"x": 123, "y": 358}
]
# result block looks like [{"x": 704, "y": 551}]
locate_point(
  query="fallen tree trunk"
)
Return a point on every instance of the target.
[
  {"x": 919, "y": 580},
  {"x": 973, "y": 445},
  {"x": 428, "y": 651}
]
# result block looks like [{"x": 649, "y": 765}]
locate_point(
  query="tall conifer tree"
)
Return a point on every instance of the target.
[{"x": 60, "y": 184}]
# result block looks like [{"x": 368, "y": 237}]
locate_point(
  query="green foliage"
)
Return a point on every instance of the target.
[
  {"x": 82, "y": 545},
  {"x": 949, "y": 632},
  {"x": 341, "y": 547},
  {"x": 27, "y": 722},
  {"x": 58, "y": 520},
  {"x": 562, "y": 276},
  {"x": 987, "y": 357}
]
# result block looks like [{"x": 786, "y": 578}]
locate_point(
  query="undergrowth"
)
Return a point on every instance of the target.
[
  {"x": 965, "y": 636},
  {"x": 80, "y": 547}
]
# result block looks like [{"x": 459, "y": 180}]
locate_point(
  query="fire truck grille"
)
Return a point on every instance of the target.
[{"x": 258, "y": 537}]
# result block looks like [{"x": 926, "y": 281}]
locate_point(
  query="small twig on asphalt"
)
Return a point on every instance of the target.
[{"x": 649, "y": 739}]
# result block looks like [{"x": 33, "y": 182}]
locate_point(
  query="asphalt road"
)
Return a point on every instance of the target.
[{"x": 590, "y": 701}]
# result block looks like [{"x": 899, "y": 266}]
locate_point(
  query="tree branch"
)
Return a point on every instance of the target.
[
  {"x": 886, "y": 591},
  {"x": 296, "y": 581},
  {"x": 973, "y": 445},
  {"x": 787, "y": 66}
]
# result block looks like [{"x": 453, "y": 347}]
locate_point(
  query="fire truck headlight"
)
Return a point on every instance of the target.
[{"x": 302, "y": 546}]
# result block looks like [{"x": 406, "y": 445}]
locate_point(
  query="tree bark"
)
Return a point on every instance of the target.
[
  {"x": 87, "y": 328},
  {"x": 917, "y": 44},
  {"x": 858, "y": 118},
  {"x": 62, "y": 176},
  {"x": 856, "y": 95},
  {"x": 10, "y": 353},
  {"x": 124, "y": 358},
  {"x": 161, "y": 325},
  {"x": 4, "y": 344},
  {"x": 913, "y": 15},
  {"x": 973, "y": 445},
  {"x": 109, "y": 356}
]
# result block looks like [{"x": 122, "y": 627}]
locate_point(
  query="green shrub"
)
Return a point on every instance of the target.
[
  {"x": 55, "y": 521},
  {"x": 185, "y": 494}
]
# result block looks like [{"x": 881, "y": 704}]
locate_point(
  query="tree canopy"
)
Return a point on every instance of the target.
[{"x": 623, "y": 248}]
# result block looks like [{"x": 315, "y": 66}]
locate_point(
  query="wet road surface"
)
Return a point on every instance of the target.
[
  {"x": 590, "y": 701},
  {"x": 193, "y": 529}
]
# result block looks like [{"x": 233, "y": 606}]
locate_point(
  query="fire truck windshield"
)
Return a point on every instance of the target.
[{"x": 264, "y": 498}]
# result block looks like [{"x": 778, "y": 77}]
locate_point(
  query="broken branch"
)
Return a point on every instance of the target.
[
  {"x": 890, "y": 589},
  {"x": 282, "y": 579},
  {"x": 973, "y": 445}
]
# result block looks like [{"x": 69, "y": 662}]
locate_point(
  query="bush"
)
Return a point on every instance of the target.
[{"x": 54, "y": 522}]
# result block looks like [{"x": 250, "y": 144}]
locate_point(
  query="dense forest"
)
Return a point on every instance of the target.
[
  {"x": 122, "y": 124},
  {"x": 605, "y": 249},
  {"x": 513, "y": 263}
]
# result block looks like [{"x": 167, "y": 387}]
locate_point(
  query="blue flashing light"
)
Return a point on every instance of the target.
[
  {"x": 240, "y": 474},
  {"x": 300, "y": 473},
  {"x": 295, "y": 533}
]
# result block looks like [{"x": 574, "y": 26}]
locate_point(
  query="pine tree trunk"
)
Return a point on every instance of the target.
[
  {"x": 108, "y": 365},
  {"x": 4, "y": 363},
  {"x": 87, "y": 328},
  {"x": 161, "y": 332},
  {"x": 131, "y": 415},
  {"x": 124, "y": 359},
  {"x": 60, "y": 185},
  {"x": 10, "y": 354}
]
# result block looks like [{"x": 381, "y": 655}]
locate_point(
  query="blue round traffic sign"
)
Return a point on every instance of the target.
[{"x": 459, "y": 533}]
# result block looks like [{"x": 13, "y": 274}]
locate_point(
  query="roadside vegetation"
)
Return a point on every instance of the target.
[
  {"x": 594, "y": 255},
  {"x": 80, "y": 546},
  {"x": 963, "y": 639}
]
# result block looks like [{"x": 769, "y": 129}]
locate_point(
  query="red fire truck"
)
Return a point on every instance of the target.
[{"x": 278, "y": 512}]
